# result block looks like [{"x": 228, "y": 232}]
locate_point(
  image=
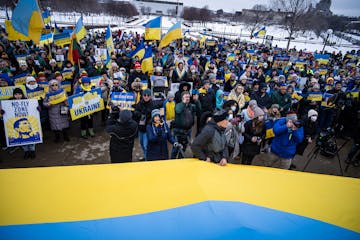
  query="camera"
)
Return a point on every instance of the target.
[
  {"x": 328, "y": 147},
  {"x": 297, "y": 124},
  {"x": 115, "y": 112}
]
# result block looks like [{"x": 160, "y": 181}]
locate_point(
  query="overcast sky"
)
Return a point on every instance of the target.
[{"x": 340, "y": 7}]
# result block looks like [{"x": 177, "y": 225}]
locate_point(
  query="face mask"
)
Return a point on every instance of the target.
[
  {"x": 230, "y": 116},
  {"x": 193, "y": 71},
  {"x": 233, "y": 108},
  {"x": 313, "y": 118}
]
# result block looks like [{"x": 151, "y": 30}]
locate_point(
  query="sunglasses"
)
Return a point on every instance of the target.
[
  {"x": 116, "y": 83},
  {"x": 54, "y": 85},
  {"x": 146, "y": 95}
]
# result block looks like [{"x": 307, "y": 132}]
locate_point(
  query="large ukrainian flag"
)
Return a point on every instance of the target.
[
  {"x": 153, "y": 29},
  {"x": 80, "y": 30},
  {"x": 147, "y": 62},
  {"x": 176, "y": 199},
  {"x": 260, "y": 33},
  {"x": 27, "y": 20},
  {"x": 46, "y": 16},
  {"x": 173, "y": 34}
]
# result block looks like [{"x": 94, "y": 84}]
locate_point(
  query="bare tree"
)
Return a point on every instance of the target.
[{"x": 296, "y": 10}]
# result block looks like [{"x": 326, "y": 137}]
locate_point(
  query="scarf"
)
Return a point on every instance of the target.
[
  {"x": 250, "y": 112},
  {"x": 180, "y": 74}
]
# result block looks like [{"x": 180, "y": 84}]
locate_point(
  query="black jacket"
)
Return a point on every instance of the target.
[
  {"x": 211, "y": 142},
  {"x": 122, "y": 134},
  {"x": 144, "y": 109},
  {"x": 262, "y": 101},
  {"x": 249, "y": 147}
]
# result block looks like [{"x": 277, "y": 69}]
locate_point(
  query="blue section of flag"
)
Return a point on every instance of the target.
[
  {"x": 205, "y": 220},
  {"x": 22, "y": 14}
]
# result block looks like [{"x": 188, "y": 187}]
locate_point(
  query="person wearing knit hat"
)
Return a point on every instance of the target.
[
  {"x": 283, "y": 147},
  {"x": 248, "y": 113},
  {"x": 87, "y": 122},
  {"x": 169, "y": 107},
  {"x": 137, "y": 66},
  {"x": 282, "y": 98},
  {"x": 254, "y": 135},
  {"x": 210, "y": 144},
  {"x": 309, "y": 123},
  {"x": 32, "y": 87},
  {"x": 58, "y": 76},
  {"x": 158, "y": 134}
]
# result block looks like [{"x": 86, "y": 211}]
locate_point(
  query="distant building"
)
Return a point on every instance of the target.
[{"x": 159, "y": 7}]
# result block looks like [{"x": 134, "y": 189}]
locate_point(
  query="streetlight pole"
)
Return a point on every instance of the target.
[{"x": 328, "y": 32}]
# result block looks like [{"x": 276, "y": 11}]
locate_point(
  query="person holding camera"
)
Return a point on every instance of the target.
[
  {"x": 254, "y": 136},
  {"x": 123, "y": 130},
  {"x": 158, "y": 134},
  {"x": 288, "y": 133},
  {"x": 185, "y": 111}
]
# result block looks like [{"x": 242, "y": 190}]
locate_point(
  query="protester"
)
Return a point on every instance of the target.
[
  {"x": 123, "y": 131},
  {"x": 210, "y": 144}
]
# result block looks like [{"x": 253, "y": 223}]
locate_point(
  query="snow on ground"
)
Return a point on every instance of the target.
[{"x": 307, "y": 41}]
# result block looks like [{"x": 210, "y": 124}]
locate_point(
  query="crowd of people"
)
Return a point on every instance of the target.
[{"x": 234, "y": 101}]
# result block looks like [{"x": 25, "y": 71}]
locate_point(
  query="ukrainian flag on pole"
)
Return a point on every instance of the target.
[
  {"x": 153, "y": 29},
  {"x": 27, "y": 19},
  {"x": 173, "y": 34},
  {"x": 80, "y": 30},
  {"x": 46, "y": 16},
  {"x": 109, "y": 46},
  {"x": 260, "y": 33},
  {"x": 147, "y": 62}
]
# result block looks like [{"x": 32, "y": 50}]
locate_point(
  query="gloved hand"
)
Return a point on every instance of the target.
[{"x": 178, "y": 145}]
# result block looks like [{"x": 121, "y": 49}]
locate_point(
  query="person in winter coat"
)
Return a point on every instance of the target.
[
  {"x": 184, "y": 86},
  {"x": 248, "y": 113},
  {"x": 283, "y": 147},
  {"x": 123, "y": 130},
  {"x": 185, "y": 111},
  {"x": 254, "y": 135},
  {"x": 142, "y": 115},
  {"x": 158, "y": 134},
  {"x": 237, "y": 95},
  {"x": 169, "y": 108},
  {"x": 262, "y": 98},
  {"x": 233, "y": 131},
  {"x": 219, "y": 99},
  {"x": 87, "y": 122},
  {"x": 282, "y": 98},
  {"x": 58, "y": 114},
  {"x": 310, "y": 124},
  {"x": 137, "y": 73},
  {"x": 179, "y": 74},
  {"x": 210, "y": 144}
]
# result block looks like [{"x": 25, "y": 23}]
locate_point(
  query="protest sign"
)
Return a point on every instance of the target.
[
  {"x": 123, "y": 99},
  {"x": 57, "y": 96},
  {"x": 22, "y": 122},
  {"x": 84, "y": 104},
  {"x": 7, "y": 92},
  {"x": 36, "y": 93},
  {"x": 20, "y": 79}
]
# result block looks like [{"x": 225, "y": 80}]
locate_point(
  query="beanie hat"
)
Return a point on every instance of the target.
[
  {"x": 312, "y": 112},
  {"x": 275, "y": 105},
  {"x": 30, "y": 79},
  {"x": 183, "y": 93},
  {"x": 57, "y": 73},
  {"x": 83, "y": 74},
  {"x": 17, "y": 90},
  {"x": 252, "y": 103},
  {"x": 125, "y": 116},
  {"x": 41, "y": 74},
  {"x": 206, "y": 82},
  {"x": 220, "y": 116},
  {"x": 154, "y": 113},
  {"x": 291, "y": 115},
  {"x": 170, "y": 95},
  {"x": 158, "y": 69},
  {"x": 262, "y": 85},
  {"x": 52, "y": 61},
  {"x": 137, "y": 65},
  {"x": 85, "y": 80},
  {"x": 258, "y": 112},
  {"x": 147, "y": 92}
]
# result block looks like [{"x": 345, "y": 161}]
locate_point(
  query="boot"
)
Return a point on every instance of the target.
[
  {"x": 57, "y": 137},
  {"x": 26, "y": 154},
  {"x": 83, "y": 134},
  {"x": 65, "y": 135},
  {"x": 91, "y": 132}
]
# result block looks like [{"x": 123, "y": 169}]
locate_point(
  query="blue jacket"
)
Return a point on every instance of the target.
[
  {"x": 285, "y": 140},
  {"x": 158, "y": 137}
]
